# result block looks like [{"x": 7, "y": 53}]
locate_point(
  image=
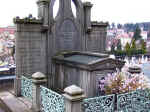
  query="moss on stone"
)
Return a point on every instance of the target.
[{"x": 27, "y": 20}]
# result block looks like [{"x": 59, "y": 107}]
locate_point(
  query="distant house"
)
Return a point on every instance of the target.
[
  {"x": 120, "y": 31},
  {"x": 109, "y": 43},
  {"x": 111, "y": 33},
  {"x": 8, "y": 30},
  {"x": 114, "y": 35},
  {"x": 144, "y": 35},
  {"x": 124, "y": 38}
]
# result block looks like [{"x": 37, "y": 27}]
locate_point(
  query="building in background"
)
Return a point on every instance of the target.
[{"x": 7, "y": 43}]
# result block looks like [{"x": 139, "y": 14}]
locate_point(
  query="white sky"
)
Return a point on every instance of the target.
[{"x": 118, "y": 11}]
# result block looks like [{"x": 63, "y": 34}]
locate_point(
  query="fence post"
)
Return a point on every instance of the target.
[
  {"x": 73, "y": 98},
  {"x": 37, "y": 79}
]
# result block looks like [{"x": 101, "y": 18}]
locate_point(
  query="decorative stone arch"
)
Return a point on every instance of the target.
[
  {"x": 79, "y": 10},
  {"x": 65, "y": 16},
  {"x": 51, "y": 15}
]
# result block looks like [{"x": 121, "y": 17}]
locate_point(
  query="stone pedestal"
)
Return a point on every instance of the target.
[
  {"x": 38, "y": 79},
  {"x": 73, "y": 98}
]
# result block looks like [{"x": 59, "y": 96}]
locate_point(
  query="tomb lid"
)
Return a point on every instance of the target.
[{"x": 87, "y": 60}]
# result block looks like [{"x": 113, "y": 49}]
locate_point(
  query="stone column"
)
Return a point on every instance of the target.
[
  {"x": 18, "y": 71},
  {"x": 43, "y": 10},
  {"x": 87, "y": 13},
  {"x": 73, "y": 98},
  {"x": 38, "y": 79}
]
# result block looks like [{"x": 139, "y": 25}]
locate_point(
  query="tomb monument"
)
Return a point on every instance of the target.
[{"x": 40, "y": 40}]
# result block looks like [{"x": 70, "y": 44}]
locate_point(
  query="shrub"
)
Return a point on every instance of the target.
[{"x": 118, "y": 83}]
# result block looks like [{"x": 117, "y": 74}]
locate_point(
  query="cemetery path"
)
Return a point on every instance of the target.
[{"x": 14, "y": 104}]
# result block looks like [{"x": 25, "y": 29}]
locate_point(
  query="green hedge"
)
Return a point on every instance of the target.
[{"x": 130, "y": 52}]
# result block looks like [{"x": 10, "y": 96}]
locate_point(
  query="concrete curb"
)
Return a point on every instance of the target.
[
  {"x": 4, "y": 106},
  {"x": 14, "y": 104}
]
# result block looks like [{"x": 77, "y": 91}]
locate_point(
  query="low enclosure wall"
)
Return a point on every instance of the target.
[{"x": 50, "y": 101}]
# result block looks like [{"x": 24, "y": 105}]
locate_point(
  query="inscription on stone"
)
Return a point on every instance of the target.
[
  {"x": 68, "y": 39},
  {"x": 68, "y": 35},
  {"x": 93, "y": 44}
]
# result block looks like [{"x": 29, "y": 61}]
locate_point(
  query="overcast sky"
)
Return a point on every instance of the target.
[{"x": 118, "y": 11}]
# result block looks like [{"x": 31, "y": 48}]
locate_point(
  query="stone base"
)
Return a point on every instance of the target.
[{"x": 17, "y": 87}]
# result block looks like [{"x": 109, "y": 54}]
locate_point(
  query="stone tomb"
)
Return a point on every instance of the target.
[
  {"x": 83, "y": 69},
  {"x": 38, "y": 40}
]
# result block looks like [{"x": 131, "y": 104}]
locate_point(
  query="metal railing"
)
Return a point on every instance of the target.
[
  {"x": 99, "y": 104},
  {"x": 136, "y": 101},
  {"x": 26, "y": 88},
  {"x": 51, "y": 101}
]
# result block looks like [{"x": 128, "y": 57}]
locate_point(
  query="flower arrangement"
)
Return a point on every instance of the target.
[{"x": 117, "y": 83}]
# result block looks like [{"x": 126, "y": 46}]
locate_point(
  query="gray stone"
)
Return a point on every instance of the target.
[
  {"x": 73, "y": 101},
  {"x": 87, "y": 10},
  {"x": 38, "y": 80}
]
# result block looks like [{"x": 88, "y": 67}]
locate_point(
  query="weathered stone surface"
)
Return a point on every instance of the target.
[{"x": 27, "y": 21}]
